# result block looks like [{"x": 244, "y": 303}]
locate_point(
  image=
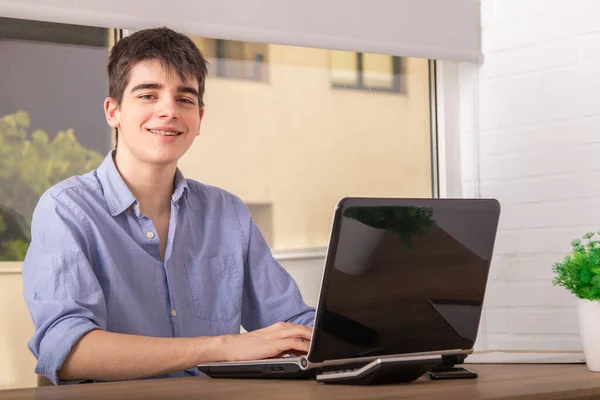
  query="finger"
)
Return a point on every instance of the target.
[
  {"x": 288, "y": 329},
  {"x": 302, "y": 332},
  {"x": 295, "y": 345}
]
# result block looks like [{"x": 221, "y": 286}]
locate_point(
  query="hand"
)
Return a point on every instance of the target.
[{"x": 273, "y": 341}]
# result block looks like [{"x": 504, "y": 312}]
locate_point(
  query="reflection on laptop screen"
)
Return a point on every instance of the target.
[{"x": 405, "y": 278}]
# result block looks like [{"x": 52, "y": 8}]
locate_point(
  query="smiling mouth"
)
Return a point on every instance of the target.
[{"x": 165, "y": 133}]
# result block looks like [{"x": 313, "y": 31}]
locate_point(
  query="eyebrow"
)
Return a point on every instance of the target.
[{"x": 158, "y": 86}]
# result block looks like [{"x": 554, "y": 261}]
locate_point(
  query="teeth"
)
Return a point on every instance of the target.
[{"x": 164, "y": 133}]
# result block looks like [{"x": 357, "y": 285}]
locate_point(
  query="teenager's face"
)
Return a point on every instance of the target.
[{"x": 159, "y": 116}]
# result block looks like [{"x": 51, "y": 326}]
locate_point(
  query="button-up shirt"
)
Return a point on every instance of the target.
[{"x": 94, "y": 263}]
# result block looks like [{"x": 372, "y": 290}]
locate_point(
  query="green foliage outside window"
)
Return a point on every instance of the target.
[{"x": 29, "y": 164}]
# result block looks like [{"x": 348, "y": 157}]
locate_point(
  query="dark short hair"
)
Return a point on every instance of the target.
[{"x": 175, "y": 52}]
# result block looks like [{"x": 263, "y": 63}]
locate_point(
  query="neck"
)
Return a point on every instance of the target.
[{"x": 152, "y": 185}]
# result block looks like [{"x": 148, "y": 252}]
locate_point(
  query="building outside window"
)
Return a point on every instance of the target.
[{"x": 291, "y": 149}]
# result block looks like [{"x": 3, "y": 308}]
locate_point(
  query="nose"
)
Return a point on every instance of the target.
[{"x": 167, "y": 108}]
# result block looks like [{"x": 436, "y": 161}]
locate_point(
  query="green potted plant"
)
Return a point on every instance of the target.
[{"x": 579, "y": 272}]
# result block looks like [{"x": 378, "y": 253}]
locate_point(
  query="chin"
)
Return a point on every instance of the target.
[{"x": 163, "y": 159}]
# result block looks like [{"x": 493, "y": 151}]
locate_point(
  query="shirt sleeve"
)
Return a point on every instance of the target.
[
  {"x": 63, "y": 295},
  {"x": 270, "y": 294}
]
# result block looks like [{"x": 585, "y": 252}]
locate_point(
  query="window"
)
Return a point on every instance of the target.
[
  {"x": 291, "y": 149},
  {"x": 366, "y": 71},
  {"x": 235, "y": 59},
  {"x": 51, "y": 125}
]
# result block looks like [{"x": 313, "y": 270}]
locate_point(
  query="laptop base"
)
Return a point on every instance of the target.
[
  {"x": 383, "y": 371},
  {"x": 253, "y": 371}
]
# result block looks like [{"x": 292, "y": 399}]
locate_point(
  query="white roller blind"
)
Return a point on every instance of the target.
[{"x": 438, "y": 29}]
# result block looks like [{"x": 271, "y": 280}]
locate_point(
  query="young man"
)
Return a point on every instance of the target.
[{"x": 134, "y": 271}]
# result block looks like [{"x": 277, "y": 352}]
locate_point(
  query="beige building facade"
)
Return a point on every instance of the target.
[{"x": 290, "y": 148}]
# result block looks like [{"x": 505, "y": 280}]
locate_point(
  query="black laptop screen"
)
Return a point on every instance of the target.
[{"x": 404, "y": 276}]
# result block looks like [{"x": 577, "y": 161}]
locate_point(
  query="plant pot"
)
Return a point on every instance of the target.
[{"x": 589, "y": 330}]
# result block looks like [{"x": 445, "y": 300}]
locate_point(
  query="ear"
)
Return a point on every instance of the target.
[
  {"x": 112, "y": 113},
  {"x": 200, "y": 124}
]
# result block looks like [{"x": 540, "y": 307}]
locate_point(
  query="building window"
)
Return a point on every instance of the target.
[
  {"x": 235, "y": 59},
  {"x": 366, "y": 71},
  {"x": 53, "y": 80}
]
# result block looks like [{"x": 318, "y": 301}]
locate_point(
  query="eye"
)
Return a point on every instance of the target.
[
  {"x": 147, "y": 96},
  {"x": 187, "y": 101}
]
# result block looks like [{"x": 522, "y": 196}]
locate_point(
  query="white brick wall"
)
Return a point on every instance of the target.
[{"x": 530, "y": 137}]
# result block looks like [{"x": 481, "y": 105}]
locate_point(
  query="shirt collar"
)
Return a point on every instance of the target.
[
  {"x": 116, "y": 193},
  {"x": 181, "y": 186}
]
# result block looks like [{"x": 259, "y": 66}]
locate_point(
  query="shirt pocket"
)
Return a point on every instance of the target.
[{"x": 215, "y": 284}]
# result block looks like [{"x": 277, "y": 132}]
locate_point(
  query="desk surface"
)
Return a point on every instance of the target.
[{"x": 566, "y": 381}]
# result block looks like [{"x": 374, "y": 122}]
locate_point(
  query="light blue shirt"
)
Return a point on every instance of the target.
[{"x": 94, "y": 262}]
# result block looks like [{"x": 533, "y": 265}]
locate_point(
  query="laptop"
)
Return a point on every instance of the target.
[{"x": 404, "y": 279}]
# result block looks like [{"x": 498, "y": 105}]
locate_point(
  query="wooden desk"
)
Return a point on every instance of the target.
[{"x": 494, "y": 382}]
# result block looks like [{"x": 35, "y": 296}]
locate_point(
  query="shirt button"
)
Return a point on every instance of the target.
[
  {"x": 135, "y": 206},
  {"x": 149, "y": 235},
  {"x": 174, "y": 313}
]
